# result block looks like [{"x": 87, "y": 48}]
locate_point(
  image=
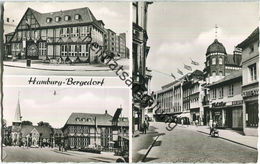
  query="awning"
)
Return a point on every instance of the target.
[{"x": 184, "y": 115}]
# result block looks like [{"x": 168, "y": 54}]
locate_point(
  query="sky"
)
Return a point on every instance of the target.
[
  {"x": 40, "y": 104},
  {"x": 181, "y": 31},
  {"x": 116, "y": 16}
]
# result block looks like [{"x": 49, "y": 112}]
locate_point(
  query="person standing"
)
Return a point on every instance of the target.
[{"x": 144, "y": 127}]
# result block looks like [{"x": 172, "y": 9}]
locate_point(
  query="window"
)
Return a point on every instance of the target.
[
  {"x": 213, "y": 61},
  {"x": 231, "y": 90},
  {"x": 135, "y": 12},
  {"x": 220, "y": 62},
  {"x": 252, "y": 114},
  {"x": 213, "y": 73},
  {"x": 252, "y": 71},
  {"x": 77, "y": 17},
  {"x": 221, "y": 92},
  {"x": 63, "y": 50},
  {"x": 67, "y": 18},
  {"x": 57, "y": 19},
  {"x": 214, "y": 93},
  {"x": 208, "y": 63},
  {"x": 82, "y": 50},
  {"x": 42, "y": 48},
  {"x": 48, "y": 20},
  {"x": 75, "y": 31},
  {"x": 220, "y": 73}
]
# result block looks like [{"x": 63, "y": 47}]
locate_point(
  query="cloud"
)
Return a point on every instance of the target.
[{"x": 171, "y": 55}]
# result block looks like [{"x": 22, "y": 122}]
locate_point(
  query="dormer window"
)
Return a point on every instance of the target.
[
  {"x": 67, "y": 18},
  {"x": 77, "y": 17},
  {"x": 57, "y": 19},
  {"x": 77, "y": 119},
  {"x": 48, "y": 20}
]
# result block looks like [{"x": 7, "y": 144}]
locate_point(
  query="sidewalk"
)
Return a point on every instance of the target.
[
  {"x": 230, "y": 135},
  {"x": 58, "y": 67},
  {"x": 142, "y": 143}
]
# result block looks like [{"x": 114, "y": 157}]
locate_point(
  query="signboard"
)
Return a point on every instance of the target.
[
  {"x": 218, "y": 104},
  {"x": 250, "y": 93},
  {"x": 239, "y": 102}
]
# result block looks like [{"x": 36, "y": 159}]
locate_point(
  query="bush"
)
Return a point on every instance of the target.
[{"x": 90, "y": 150}]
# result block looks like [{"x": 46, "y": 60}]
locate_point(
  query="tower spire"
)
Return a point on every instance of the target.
[
  {"x": 18, "y": 117},
  {"x": 216, "y": 31}
]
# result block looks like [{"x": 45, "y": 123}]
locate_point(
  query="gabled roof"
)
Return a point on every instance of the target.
[
  {"x": 89, "y": 119},
  {"x": 85, "y": 13},
  {"x": 254, "y": 36},
  {"x": 44, "y": 130},
  {"x": 232, "y": 76}
]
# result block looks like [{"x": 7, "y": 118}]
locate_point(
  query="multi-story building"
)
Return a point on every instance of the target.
[
  {"x": 111, "y": 41},
  {"x": 85, "y": 129},
  {"x": 182, "y": 98},
  {"x": 65, "y": 35},
  {"x": 250, "y": 84},
  {"x": 122, "y": 45},
  {"x": 218, "y": 63},
  {"x": 225, "y": 105},
  {"x": 140, "y": 53}
]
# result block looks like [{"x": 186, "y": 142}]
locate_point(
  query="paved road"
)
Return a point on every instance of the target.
[
  {"x": 185, "y": 145},
  {"x": 19, "y": 154},
  {"x": 25, "y": 71}
]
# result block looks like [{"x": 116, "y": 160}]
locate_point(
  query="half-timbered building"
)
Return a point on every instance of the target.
[{"x": 64, "y": 35}]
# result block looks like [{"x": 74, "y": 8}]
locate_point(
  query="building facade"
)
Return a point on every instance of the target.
[
  {"x": 139, "y": 54},
  {"x": 84, "y": 130},
  {"x": 250, "y": 84},
  {"x": 64, "y": 35},
  {"x": 225, "y": 105}
]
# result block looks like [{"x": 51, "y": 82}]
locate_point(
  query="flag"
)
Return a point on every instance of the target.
[
  {"x": 187, "y": 67},
  {"x": 180, "y": 72},
  {"x": 173, "y": 76},
  {"x": 194, "y": 63}
]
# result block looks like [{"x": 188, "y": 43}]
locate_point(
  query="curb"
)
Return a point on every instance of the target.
[
  {"x": 45, "y": 69},
  {"x": 149, "y": 149},
  {"x": 231, "y": 141}
]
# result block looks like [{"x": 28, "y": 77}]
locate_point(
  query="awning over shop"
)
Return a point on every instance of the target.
[{"x": 183, "y": 115}]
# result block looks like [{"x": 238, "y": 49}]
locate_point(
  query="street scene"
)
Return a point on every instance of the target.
[
  {"x": 199, "y": 101},
  {"x": 32, "y": 132},
  {"x": 65, "y": 38}
]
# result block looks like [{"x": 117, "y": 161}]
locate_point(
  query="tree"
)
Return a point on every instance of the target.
[
  {"x": 41, "y": 123},
  {"x": 27, "y": 123}
]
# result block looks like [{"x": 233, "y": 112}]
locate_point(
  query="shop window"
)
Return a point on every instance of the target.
[
  {"x": 213, "y": 73},
  {"x": 252, "y": 114},
  {"x": 252, "y": 71},
  {"x": 220, "y": 73},
  {"x": 230, "y": 90}
]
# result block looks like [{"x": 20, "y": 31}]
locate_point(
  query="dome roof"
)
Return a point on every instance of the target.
[{"x": 216, "y": 47}]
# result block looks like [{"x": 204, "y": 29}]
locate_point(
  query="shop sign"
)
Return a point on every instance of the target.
[
  {"x": 217, "y": 113},
  {"x": 250, "y": 93},
  {"x": 239, "y": 102},
  {"x": 218, "y": 104}
]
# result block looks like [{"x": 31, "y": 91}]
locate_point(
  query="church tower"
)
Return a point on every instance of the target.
[
  {"x": 215, "y": 61},
  {"x": 18, "y": 116},
  {"x": 17, "y": 124}
]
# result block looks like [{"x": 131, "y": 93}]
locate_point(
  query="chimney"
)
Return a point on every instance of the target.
[{"x": 105, "y": 112}]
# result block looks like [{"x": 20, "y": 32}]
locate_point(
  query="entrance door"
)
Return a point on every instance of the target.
[
  {"x": 32, "y": 51},
  {"x": 229, "y": 118}
]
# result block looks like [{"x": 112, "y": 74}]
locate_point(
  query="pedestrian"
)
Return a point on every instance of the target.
[
  {"x": 210, "y": 126},
  {"x": 196, "y": 122},
  {"x": 182, "y": 121},
  {"x": 144, "y": 127}
]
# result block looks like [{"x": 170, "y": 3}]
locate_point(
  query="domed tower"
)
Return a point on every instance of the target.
[{"x": 215, "y": 62}]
